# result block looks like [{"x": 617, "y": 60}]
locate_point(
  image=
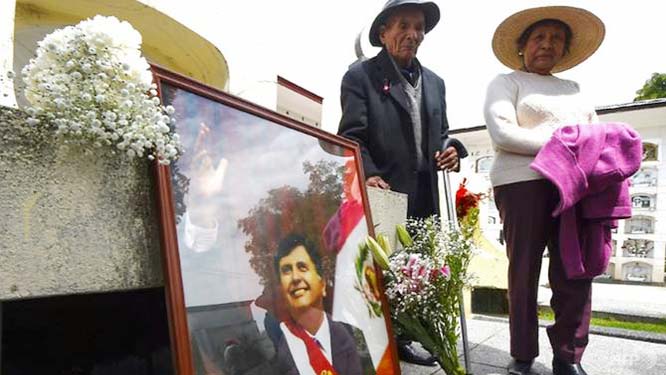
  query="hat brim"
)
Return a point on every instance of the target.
[
  {"x": 587, "y": 31},
  {"x": 430, "y": 11}
]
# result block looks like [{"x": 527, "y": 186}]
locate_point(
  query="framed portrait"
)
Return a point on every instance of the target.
[{"x": 261, "y": 218}]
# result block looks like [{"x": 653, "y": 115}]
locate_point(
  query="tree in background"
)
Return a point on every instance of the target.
[
  {"x": 287, "y": 209},
  {"x": 654, "y": 88}
]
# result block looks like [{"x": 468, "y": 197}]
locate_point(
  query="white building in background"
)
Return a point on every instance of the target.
[
  {"x": 298, "y": 103},
  {"x": 639, "y": 243}
]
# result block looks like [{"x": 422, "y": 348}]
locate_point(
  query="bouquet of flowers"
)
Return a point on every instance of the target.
[
  {"x": 467, "y": 208},
  {"x": 423, "y": 283},
  {"x": 90, "y": 83}
]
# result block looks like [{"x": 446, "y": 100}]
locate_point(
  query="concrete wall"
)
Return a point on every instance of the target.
[
  {"x": 388, "y": 209},
  {"x": 72, "y": 223}
]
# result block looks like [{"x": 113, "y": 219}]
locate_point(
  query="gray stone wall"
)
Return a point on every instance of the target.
[
  {"x": 388, "y": 209},
  {"x": 71, "y": 222}
]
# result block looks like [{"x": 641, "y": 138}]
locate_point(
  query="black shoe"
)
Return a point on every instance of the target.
[
  {"x": 561, "y": 367},
  {"x": 409, "y": 353},
  {"x": 518, "y": 367}
]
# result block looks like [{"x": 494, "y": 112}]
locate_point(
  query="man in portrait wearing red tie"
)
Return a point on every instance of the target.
[{"x": 311, "y": 342}]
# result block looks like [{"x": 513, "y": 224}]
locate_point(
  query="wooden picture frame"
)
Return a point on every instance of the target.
[{"x": 250, "y": 181}]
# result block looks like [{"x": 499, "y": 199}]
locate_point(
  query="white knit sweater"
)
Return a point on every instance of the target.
[{"x": 521, "y": 111}]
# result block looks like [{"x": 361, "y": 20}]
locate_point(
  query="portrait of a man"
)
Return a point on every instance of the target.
[
  {"x": 250, "y": 312},
  {"x": 311, "y": 342}
]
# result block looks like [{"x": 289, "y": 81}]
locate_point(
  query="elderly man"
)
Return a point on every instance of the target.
[
  {"x": 395, "y": 109},
  {"x": 312, "y": 343}
]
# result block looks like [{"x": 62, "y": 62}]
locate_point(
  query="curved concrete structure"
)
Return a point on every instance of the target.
[{"x": 166, "y": 42}]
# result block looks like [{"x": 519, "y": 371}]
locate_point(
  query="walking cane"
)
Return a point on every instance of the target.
[{"x": 451, "y": 211}]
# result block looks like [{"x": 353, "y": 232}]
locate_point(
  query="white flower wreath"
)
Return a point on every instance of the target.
[{"x": 92, "y": 85}]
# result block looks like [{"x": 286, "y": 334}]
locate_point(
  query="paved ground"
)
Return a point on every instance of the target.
[
  {"x": 610, "y": 352},
  {"x": 605, "y": 355}
]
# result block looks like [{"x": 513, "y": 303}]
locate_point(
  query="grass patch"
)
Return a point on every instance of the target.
[{"x": 660, "y": 327}]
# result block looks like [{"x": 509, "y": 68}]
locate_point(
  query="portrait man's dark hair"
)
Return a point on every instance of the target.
[{"x": 289, "y": 243}]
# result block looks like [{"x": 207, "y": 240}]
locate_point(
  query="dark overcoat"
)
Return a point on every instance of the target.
[
  {"x": 350, "y": 352},
  {"x": 375, "y": 114}
]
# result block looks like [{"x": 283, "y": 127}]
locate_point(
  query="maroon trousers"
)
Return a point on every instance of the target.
[{"x": 525, "y": 208}]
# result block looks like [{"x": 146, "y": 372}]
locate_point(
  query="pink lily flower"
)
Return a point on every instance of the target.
[{"x": 445, "y": 271}]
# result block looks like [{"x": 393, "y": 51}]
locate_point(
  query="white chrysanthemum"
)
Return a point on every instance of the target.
[{"x": 92, "y": 84}]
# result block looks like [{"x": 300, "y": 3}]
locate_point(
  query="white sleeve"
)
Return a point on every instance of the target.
[
  {"x": 592, "y": 117},
  {"x": 500, "y": 115}
]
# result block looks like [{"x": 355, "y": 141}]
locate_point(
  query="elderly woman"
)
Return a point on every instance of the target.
[{"x": 522, "y": 110}]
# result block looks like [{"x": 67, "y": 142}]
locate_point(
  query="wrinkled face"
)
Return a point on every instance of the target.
[
  {"x": 301, "y": 284},
  {"x": 544, "y": 48},
  {"x": 402, "y": 34}
]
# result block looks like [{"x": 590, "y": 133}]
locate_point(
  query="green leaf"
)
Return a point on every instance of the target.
[
  {"x": 377, "y": 253},
  {"x": 403, "y": 236}
]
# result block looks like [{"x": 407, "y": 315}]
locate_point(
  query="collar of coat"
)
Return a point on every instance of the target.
[{"x": 387, "y": 80}]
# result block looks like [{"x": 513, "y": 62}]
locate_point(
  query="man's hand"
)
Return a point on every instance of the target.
[
  {"x": 376, "y": 181},
  {"x": 447, "y": 159}
]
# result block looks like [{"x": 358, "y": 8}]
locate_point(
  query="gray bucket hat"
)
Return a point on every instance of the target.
[{"x": 430, "y": 10}]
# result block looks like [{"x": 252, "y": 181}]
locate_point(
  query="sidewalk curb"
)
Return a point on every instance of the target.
[{"x": 657, "y": 338}]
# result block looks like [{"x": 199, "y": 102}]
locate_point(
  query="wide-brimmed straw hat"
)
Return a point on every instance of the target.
[
  {"x": 587, "y": 34},
  {"x": 430, "y": 11}
]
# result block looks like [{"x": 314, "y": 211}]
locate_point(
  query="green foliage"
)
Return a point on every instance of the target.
[
  {"x": 403, "y": 235},
  {"x": 654, "y": 88},
  {"x": 363, "y": 252},
  {"x": 470, "y": 222},
  {"x": 660, "y": 327},
  {"x": 378, "y": 253}
]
